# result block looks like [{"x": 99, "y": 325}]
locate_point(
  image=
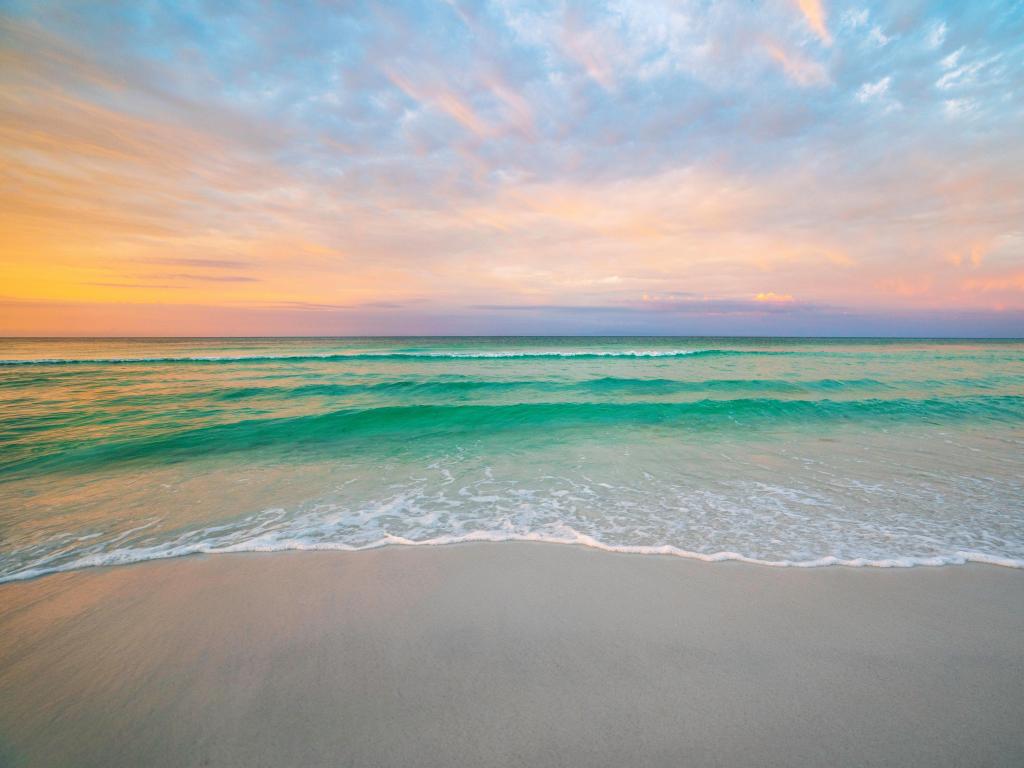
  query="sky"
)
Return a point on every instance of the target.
[{"x": 795, "y": 167}]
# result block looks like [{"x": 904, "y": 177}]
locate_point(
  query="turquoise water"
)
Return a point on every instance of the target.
[{"x": 784, "y": 451}]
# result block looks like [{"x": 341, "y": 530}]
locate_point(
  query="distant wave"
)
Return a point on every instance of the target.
[
  {"x": 449, "y": 385},
  {"x": 583, "y": 354},
  {"x": 131, "y": 555},
  {"x": 524, "y": 355},
  {"x": 606, "y": 384},
  {"x": 399, "y": 427}
]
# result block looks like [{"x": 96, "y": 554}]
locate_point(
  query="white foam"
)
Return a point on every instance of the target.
[
  {"x": 580, "y": 353},
  {"x": 873, "y": 501},
  {"x": 189, "y": 359},
  {"x": 272, "y": 544},
  {"x": 357, "y": 355}
]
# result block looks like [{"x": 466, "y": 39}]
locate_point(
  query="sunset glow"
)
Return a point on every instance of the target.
[{"x": 804, "y": 167}]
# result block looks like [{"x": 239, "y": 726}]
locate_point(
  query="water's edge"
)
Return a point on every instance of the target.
[{"x": 129, "y": 557}]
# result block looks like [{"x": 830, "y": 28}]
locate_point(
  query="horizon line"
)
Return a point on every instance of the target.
[{"x": 516, "y": 336}]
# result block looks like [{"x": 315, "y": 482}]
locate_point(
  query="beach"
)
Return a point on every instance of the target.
[{"x": 501, "y": 654}]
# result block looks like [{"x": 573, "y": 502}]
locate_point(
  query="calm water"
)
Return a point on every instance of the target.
[{"x": 791, "y": 452}]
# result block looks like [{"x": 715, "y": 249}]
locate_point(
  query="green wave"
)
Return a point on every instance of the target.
[
  {"x": 456, "y": 386},
  {"x": 402, "y": 427}
]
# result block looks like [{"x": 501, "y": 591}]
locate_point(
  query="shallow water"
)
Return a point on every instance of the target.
[{"x": 790, "y": 452}]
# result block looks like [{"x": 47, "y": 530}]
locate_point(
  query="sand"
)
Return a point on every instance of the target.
[{"x": 510, "y": 655}]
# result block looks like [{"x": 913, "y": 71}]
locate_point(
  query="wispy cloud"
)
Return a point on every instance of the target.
[
  {"x": 875, "y": 90},
  {"x": 879, "y": 93},
  {"x": 195, "y": 262},
  {"x": 936, "y": 34},
  {"x": 772, "y": 297},
  {"x": 814, "y": 13},
  {"x": 801, "y": 69}
]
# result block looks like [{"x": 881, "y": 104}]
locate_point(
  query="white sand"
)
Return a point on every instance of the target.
[{"x": 510, "y": 654}]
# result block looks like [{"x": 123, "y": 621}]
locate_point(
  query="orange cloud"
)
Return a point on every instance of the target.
[
  {"x": 446, "y": 100},
  {"x": 518, "y": 110},
  {"x": 905, "y": 287},
  {"x": 815, "y": 15},
  {"x": 584, "y": 47},
  {"x": 973, "y": 256},
  {"x": 803, "y": 71},
  {"x": 1009, "y": 283},
  {"x": 773, "y": 297}
]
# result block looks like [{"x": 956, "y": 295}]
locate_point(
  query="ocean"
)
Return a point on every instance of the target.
[{"x": 788, "y": 452}]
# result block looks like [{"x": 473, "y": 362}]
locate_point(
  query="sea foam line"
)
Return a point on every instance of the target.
[
  {"x": 261, "y": 544},
  {"x": 384, "y": 356}
]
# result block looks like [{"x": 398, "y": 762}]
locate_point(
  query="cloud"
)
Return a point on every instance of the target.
[
  {"x": 878, "y": 92},
  {"x": 875, "y": 90},
  {"x": 855, "y": 18},
  {"x": 591, "y": 50},
  {"x": 936, "y": 34},
  {"x": 878, "y": 38},
  {"x": 814, "y": 13},
  {"x": 958, "y": 76},
  {"x": 195, "y": 262},
  {"x": 1012, "y": 283},
  {"x": 208, "y": 278},
  {"x": 769, "y": 303},
  {"x": 950, "y": 61},
  {"x": 956, "y": 108},
  {"x": 803, "y": 71},
  {"x": 555, "y": 308},
  {"x": 134, "y": 286},
  {"x": 309, "y": 306},
  {"x": 445, "y": 100}
]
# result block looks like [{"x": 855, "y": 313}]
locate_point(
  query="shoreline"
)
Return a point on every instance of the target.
[
  {"x": 509, "y": 654},
  {"x": 582, "y": 541}
]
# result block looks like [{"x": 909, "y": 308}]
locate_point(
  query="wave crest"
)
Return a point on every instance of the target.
[{"x": 342, "y": 356}]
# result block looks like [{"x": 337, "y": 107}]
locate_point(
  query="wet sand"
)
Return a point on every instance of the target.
[{"x": 510, "y": 655}]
